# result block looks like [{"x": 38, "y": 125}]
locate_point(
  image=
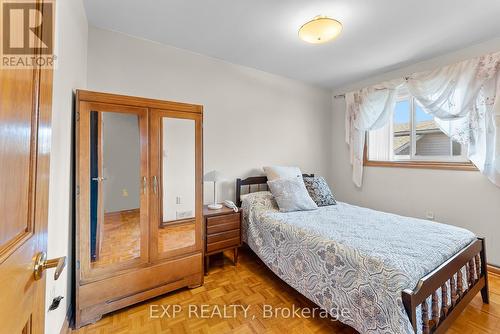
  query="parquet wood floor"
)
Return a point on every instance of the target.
[
  {"x": 121, "y": 237},
  {"x": 250, "y": 283},
  {"x": 176, "y": 236}
]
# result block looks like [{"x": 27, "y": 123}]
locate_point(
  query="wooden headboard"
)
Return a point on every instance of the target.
[{"x": 259, "y": 183}]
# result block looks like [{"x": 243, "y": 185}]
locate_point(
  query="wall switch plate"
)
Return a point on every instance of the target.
[
  {"x": 125, "y": 192},
  {"x": 178, "y": 200}
]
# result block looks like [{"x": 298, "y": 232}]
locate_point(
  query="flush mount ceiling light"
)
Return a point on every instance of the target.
[{"x": 319, "y": 30}]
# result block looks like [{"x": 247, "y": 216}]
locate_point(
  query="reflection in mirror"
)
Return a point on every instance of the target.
[
  {"x": 115, "y": 191},
  {"x": 177, "y": 229}
]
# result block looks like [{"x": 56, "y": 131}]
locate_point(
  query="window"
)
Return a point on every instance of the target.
[{"x": 413, "y": 138}]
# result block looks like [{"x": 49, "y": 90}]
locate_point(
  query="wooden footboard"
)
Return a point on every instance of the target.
[{"x": 448, "y": 281}]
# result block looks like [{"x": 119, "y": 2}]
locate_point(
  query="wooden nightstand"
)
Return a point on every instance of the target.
[{"x": 222, "y": 232}]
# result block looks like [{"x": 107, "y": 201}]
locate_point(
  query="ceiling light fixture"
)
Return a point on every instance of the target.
[{"x": 320, "y": 29}]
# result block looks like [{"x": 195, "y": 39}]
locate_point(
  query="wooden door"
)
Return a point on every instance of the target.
[
  {"x": 112, "y": 159},
  {"x": 25, "y": 116},
  {"x": 176, "y": 173}
]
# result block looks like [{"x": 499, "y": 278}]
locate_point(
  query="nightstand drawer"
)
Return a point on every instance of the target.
[
  {"x": 222, "y": 232},
  {"x": 225, "y": 219},
  {"x": 212, "y": 247},
  {"x": 211, "y": 238},
  {"x": 228, "y": 226}
]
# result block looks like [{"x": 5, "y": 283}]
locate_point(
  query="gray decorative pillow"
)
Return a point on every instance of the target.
[
  {"x": 319, "y": 191},
  {"x": 291, "y": 194}
]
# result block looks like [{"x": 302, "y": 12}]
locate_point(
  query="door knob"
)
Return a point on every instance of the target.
[
  {"x": 99, "y": 178},
  {"x": 41, "y": 264}
]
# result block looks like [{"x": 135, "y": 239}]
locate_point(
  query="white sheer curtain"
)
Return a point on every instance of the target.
[
  {"x": 367, "y": 109},
  {"x": 462, "y": 97},
  {"x": 381, "y": 143}
]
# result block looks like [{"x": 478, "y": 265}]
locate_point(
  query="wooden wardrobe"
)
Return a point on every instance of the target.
[{"x": 139, "y": 167}]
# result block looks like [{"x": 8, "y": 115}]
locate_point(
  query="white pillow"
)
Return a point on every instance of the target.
[
  {"x": 281, "y": 172},
  {"x": 291, "y": 194}
]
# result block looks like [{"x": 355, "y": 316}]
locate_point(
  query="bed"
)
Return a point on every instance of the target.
[{"x": 374, "y": 271}]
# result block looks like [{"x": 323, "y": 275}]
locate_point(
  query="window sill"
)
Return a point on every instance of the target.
[{"x": 467, "y": 166}]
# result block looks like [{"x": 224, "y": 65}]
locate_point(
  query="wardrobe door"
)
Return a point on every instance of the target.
[
  {"x": 113, "y": 189},
  {"x": 176, "y": 177}
]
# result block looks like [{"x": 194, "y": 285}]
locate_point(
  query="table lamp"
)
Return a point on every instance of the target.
[{"x": 213, "y": 176}]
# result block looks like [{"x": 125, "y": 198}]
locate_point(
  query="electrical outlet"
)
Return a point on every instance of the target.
[
  {"x": 430, "y": 215},
  {"x": 124, "y": 192}
]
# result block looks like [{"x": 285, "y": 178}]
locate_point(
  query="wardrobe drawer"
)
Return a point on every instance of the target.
[
  {"x": 137, "y": 281},
  {"x": 234, "y": 242},
  {"x": 211, "y": 238},
  {"x": 225, "y": 219},
  {"x": 223, "y": 227}
]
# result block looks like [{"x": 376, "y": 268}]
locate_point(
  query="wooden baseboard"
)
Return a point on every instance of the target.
[
  {"x": 66, "y": 327},
  {"x": 123, "y": 212},
  {"x": 494, "y": 270}
]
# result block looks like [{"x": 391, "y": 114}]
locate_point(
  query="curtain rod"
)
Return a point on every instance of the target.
[{"x": 343, "y": 95}]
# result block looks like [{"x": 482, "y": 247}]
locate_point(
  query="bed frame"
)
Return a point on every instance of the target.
[{"x": 448, "y": 276}]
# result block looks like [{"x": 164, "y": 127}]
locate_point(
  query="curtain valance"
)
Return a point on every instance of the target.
[{"x": 461, "y": 97}]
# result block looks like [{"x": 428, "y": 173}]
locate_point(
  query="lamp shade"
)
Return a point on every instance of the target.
[
  {"x": 213, "y": 176},
  {"x": 319, "y": 30}
]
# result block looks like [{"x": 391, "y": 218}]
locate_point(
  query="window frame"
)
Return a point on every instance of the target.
[{"x": 412, "y": 160}]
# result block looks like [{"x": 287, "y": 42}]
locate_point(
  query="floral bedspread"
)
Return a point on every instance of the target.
[{"x": 354, "y": 262}]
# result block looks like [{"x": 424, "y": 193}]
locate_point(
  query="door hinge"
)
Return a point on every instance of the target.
[
  {"x": 77, "y": 190},
  {"x": 77, "y": 116},
  {"x": 78, "y": 264}
]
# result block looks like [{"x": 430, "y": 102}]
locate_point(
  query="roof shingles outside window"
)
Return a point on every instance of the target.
[{"x": 427, "y": 132}]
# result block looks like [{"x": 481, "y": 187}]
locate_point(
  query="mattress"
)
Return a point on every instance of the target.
[{"x": 351, "y": 261}]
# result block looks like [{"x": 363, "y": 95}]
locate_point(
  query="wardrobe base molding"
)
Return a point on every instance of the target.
[{"x": 97, "y": 299}]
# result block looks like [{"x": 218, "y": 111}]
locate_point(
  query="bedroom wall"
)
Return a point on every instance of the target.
[
  {"x": 70, "y": 73},
  {"x": 178, "y": 168},
  {"x": 121, "y": 162},
  {"x": 251, "y": 118},
  {"x": 462, "y": 198}
]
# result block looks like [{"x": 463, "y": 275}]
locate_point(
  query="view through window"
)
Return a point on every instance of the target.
[{"x": 413, "y": 135}]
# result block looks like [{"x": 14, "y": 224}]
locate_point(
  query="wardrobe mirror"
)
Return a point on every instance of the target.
[
  {"x": 115, "y": 187},
  {"x": 178, "y": 176}
]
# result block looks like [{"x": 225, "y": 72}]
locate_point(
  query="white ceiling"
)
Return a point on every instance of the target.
[{"x": 378, "y": 35}]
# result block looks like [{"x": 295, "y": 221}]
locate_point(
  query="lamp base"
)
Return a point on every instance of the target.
[{"x": 215, "y": 206}]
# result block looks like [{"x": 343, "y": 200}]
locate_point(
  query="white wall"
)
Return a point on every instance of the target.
[
  {"x": 70, "y": 73},
  {"x": 121, "y": 162},
  {"x": 462, "y": 198},
  {"x": 178, "y": 168},
  {"x": 251, "y": 118}
]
